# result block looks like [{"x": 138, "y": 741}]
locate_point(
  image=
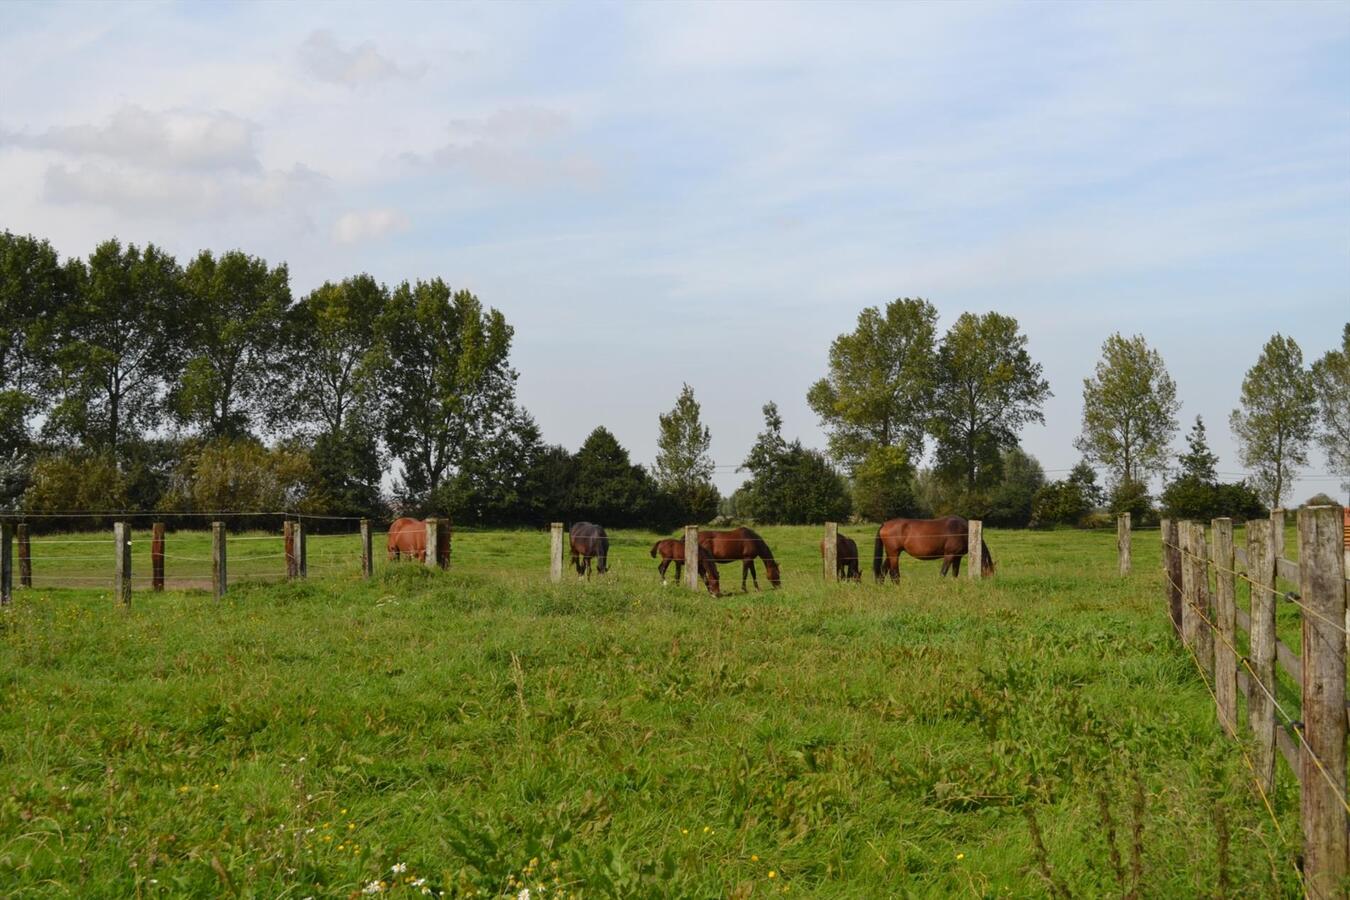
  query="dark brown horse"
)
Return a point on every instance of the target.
[
  {"x": 589, "y": 542},
  {"x": 671, "y": 550},
  {"x": 944, "y": 539},
  {"x": 408, "y": 539},
  {"x": 846, "y": 558},
  {"x": 740, "y": 545}
]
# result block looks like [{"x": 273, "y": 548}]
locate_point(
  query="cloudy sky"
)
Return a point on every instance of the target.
[{"x": 665, "y": 193}]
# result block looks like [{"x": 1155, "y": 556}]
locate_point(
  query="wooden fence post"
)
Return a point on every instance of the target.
[
  {"x": 301, "y": 548},
  {"x": 974, "y": 550},
  {"x": 288, "y": 540},
  {"x": 1277, "y": 526},
  {"x": 555, "y": 554},
  {"x": 1225, "y": 620},
  {"x": 367, "y": 556},
  {"x": 25, "y": 558},
  {"x": 1260, "y": 708},
  {"x": 1186, "y": 545},
  {"x": 830, "y": 557},
  {"x": 157, "y": 556},
  {"x": 219, "y": 577},
  {"x": 443, "y": 544},
  {"x": 1321, "y": 568},
  {"x": 6, "y": 563},
  {"x": 1204, "y": 632},
  {"x": 1123, "y": 542},
  {"x": 122, "y": 562},
  {"x": 691, "y": 557},
  {"x": 1171, "y": 560}
]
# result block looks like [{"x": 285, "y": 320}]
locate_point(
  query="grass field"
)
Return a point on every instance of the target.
[{"x": 614, "y": 738}]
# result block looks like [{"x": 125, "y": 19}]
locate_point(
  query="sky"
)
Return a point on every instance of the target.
[{"x": 663, "y": 193}]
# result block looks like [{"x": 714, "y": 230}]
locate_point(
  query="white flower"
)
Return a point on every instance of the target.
[
  {"x": 373, "y": 888},
  {"x": 419, "y": 882},
  {"x": 398, "y": 868},
  {"x": 524, "y": 894}
]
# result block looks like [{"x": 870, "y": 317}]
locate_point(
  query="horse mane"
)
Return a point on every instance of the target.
[{"x": 761, "y": 546}]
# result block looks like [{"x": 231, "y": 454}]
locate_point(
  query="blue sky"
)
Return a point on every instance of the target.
[{"x": 665, "y": 193}]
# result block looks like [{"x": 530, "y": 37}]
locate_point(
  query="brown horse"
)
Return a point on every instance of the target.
[
  {"x": 671, "y": 550},
  {"x": 589, "y": 542},
  {"x": 740, "y": 545},
  {"x": 944, "y": 539},
  {"x": 408, "y": 539},
  {"x": 845, "y": 559}
]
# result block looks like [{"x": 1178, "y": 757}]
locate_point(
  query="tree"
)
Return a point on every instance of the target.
[
  {"x": 1084, "y": 477},
  {"x": 1331, "y": 381},
  {"x": 121, "y": 340},
  {"x": 495, "y": 485},
  {"x": 1011, "y": 500},
  {"x": 883, "y": 485},
  {"x": 1198, "y": 462},
  {"x": 244, "y": 476},
  {"x": 448, "y": 389},
  {"x": 683, "y": 467},
  {"x": 1129, "y": 409},
  {"x": 789, "y": 484},
  {"x": 236, "y": 307},
  {"x": 879, "y": 391},
  {"x": 988, "y": 389},
  {"x": 1276, "y": 418},
  {"x": 608, "y": 489}
]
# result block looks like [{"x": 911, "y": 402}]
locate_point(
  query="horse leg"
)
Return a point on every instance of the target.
[
  {"x": 956, "y": 567},
  {"x": 665, "y": 564},
  {"x": 894, "y": 562},
  {"x": 748, "y": 567}
]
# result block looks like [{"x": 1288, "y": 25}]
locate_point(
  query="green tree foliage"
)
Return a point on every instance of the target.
[
  {"x": 448, "y": 389},
  {"x": 789, "y": 484},
  {"x": 235, "y": 307},
  {"x": 1132, "y": 497},
  {"x": 1276, "y": 418},
  {"x": 988, "y": 389},
  {"x": 1196, "y": 492},
  {"x": 121, "y": 341},
  {"x": 242, "y": 475},
  {"x": 683, "y": 467},
  {"x": 1331, "y": 381},
  {"x": 1129, "y": 409},
  {"x": 1011, "y": 500},
  {"x": 76, "y": 481},
  {"x": 498, "y": 485},
  {"x": 883, "y": 485},
  {"x": 607, "y": 488},
  {"x": 879, "y": 390},
  {"x": 1067, "y": 502},
  {"x": 1085, "y": 478}
]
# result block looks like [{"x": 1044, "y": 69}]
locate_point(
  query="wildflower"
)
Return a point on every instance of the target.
[
  {"x": 754, "y": 858},
  {"x": 373, "y": 888},
  {"x": 773, "y": 874},
  {"x": 351, "y": 827},
  {"x": 419, "y": 882},
  {"x": 960, "y": 856},
  {"x": 398, "y": 868},
  {"x": 684, "y": 831},
  {"x": 524, "y": 894},
  {"x": 184, "y": 789}
]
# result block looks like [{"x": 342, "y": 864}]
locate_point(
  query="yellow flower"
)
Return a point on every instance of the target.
[
  {"x": 960, "y": 856},
  {"x": 773, "y": 874},
  {"x": 351, "y": 827},
  {"x": 684, "y": 831},
  {"x": 754, "y": 858}
]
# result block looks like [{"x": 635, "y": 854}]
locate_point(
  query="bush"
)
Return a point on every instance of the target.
[
  {"x": 1132, "y": 497},
  {"x": 1190, "y": 498},
  {"x": 78, "y": 481},
  {"x": 244, "y": 476},
  {"x": 1059, "y": 503},
  {"x": 883, "y": 485}
]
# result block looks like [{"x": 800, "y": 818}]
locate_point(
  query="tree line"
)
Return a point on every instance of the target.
[{"x": 130, "y": 381}]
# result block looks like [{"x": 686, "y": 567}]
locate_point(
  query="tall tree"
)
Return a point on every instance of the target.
[
  {"x": 35, "y": 288},
  {"x": 608, "y": 488},
  {"x": 448, "y": 389},
  {"x": 121, "y": 340},
  {"x": 1198, "y": 462},
  {"x": 1129, "y": 409},
  {"x": 1276, "y": 418},
  {"x": 988, "y": 389},
  {"x": 1331, "y": 380},
  {"x": 790, "y": 484},
  {"x": 683, "y": 467},
  {"x": 879, "y": 390},
  {"x": 236, "y": 306}
]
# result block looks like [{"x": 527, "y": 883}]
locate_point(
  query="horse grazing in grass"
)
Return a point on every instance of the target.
[
  {"x": 671, "y": 550},
  {"x": 408, "y": 539},
  {"x": 740, "y": 545},
  {"x": 944, "y": 539},
  {"x": 589, "y": 542},
  {"x": 845, "y": 558}
]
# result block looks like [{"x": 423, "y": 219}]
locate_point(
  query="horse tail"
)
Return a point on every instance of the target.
[
  {"x": 876, "y": 556},
  {"x": 986, "y": 558},
  {"x": 654, "y": 548}
]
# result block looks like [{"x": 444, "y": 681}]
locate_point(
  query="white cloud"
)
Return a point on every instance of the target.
[
  {"x": 199, "y": 140},
  {"x": 178, "y": 194},
  {"x": 523, "y": 146},
  {"x": 369, "y": 224},
  {"x": 325, "y": 59}
]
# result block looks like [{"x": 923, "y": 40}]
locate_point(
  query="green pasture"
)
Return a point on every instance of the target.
[{"x": 1042, "y": 732}]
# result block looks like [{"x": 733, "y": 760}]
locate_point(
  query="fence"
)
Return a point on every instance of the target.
[
  {"x": 1211, "y": 626},
  {"x": 291, "y": 557}
]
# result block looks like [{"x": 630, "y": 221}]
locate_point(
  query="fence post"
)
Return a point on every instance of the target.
[
  {"x": 438, "y": 542},
  {"x": 1171, "y": 560},
  {"x": 301, "y": 548},
  {"x": 1123, "y": 542},
  {"x": 1204, "y": 631},
  {"x": 1225, "y": 619},
  {"x": 288, "y": 540},
  {"x": 1260, "y": 708},
  {"x": 974, "y": 550},
  {"x": 157, "y": 556},
  {"x": 6, "y": 564},
  {"x": 831, "y": 555},
  {"x": 691, "y": 557},
  {"x": 219, "y": 578},
  {"x": 555, "y": 552},
  {"x": 1186, "y": 545},
  {"x": 25, "y": 558},
  {"x": 1321, "y": 585},
  {"x": 122, "y": 562},
  {"x": 367, "y": 557},
  {"x": 1277, "y": 525}
]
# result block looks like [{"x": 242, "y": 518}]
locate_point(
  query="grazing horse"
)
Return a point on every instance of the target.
[
  {"x": 944, "y": 539},
  {"x": 408, "y": 539},
  {"x": 589, "y": 542},
  {"x": 846, "y": 558},
  {"x": 743, "y": 545},
  {"x": 671, "y": 550}
]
